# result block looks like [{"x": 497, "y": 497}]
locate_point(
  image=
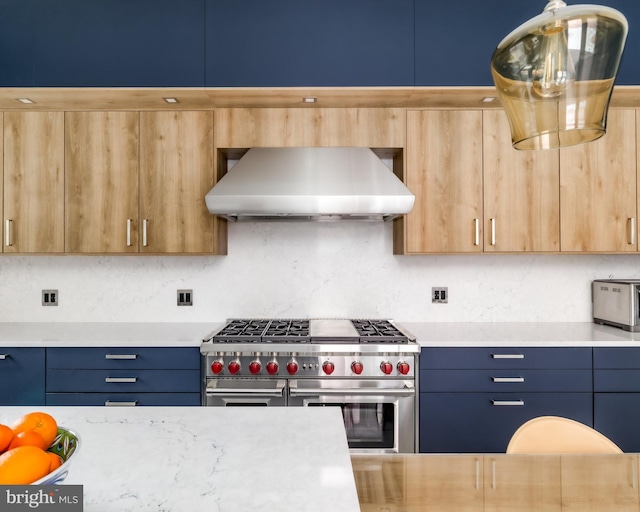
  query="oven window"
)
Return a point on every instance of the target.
[{"x": 368, "y": 425}]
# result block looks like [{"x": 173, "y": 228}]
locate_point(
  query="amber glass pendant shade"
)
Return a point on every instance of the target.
[{"x": 555, "y": 74}]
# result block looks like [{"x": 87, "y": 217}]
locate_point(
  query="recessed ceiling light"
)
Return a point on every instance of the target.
[
  {"x": 309, "y": 99},
  {"x": 488, "y": 99},
  {"x": 25, "y": 100},
  {"x": 171, "y": 100}
]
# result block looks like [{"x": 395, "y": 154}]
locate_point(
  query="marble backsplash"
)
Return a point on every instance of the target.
[{"x": 292, "y": 270}]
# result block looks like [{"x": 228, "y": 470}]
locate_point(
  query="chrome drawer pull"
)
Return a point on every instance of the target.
[
  {"x": 507, "y": 356},
  {"x": 120, "y": 356},
  {"x": 507, "y": 402},
  {"x": 4, "y": 356},
  {"x": 7, "y": 233},
  {"x": 109, "y": 403},
  {"x": 121, "y": 379},
  {"x": 507, "y": 379}
]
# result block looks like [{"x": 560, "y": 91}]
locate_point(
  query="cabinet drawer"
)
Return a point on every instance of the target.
[
  {"x": 125, "y": 399},
  {"x": 22, "y": 376},
  {"x": 616, "y": 357},
  {"x": 506, "y": 358},
  {"x": 142, "y": 381},
  {"x": 505, "y": 380},
  {"x": 124, "y": 357},
  {"x": 485, "y": 422}
]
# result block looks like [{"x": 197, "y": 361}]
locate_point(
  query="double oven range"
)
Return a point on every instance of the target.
[{"x": 368, "y": 368}]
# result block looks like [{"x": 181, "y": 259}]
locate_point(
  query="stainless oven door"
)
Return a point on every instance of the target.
[
  {"x": 379, "y": 416},
  {"x": 245, "y": 392}
]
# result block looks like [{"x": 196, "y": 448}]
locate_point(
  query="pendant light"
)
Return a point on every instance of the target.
[{"x": 555, "y": 74}]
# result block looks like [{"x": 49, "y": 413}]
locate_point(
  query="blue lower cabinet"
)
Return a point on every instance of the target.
[
  {"x": 141, "y": 381},
  {"x": 124, "y": 399},
  {"x": 617, "y": 416},
  {"x": 485, "y": 422},
  {"x": 22, "y": 376}
]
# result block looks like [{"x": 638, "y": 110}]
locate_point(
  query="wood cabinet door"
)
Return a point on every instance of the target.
[
  {"x": 592, "y": 483},
  {"x": 101, "y": 182},
  {"x": 598, "y": 190},
  {"x": 176, "y": 172},
  {"x": 294, "y": 127},
  {"x": 526, "y": 483},
  {"x": 521, "y": 192},
  {"x": 34, "y": 182},
  {"x": 444, "y": 171}
]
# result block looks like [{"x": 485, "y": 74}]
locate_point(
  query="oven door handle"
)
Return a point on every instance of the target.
[
  {"x": 278, "y": 391},
  {"x": 407, "y": 390}
]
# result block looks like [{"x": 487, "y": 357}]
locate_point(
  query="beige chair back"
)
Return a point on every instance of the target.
[{"x": 553, "y": 434}]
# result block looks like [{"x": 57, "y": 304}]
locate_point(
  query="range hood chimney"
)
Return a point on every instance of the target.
[{"x": 309, "y": 183}]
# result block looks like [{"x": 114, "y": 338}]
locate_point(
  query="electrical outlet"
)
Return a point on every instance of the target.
[
  {"x": 49, "y": 297},
  {"x": 440, "y": 295},
  {"x": 185, "y": 297}
]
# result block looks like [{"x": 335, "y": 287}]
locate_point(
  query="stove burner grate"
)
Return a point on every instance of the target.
[
  {"x": 378, "y": 331},
  {"x": 287, "y": 331}
]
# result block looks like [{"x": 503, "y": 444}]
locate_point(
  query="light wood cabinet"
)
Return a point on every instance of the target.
[
  {"x": 598, "y": 194},
  {"x": 521, "y": 192},
  {"x": 176, "y": 172},
  {"x": 101, "y": 182},
  {"x": 523, "y": 483},
  {"x": 33, "y": 182},
  {"x": 599, "y": 482},
  {"x": 444, "y": 171},
  {"x": 295, "y": 127}
]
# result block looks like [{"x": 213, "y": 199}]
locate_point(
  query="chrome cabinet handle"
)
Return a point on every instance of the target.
[
  {"x": 632, "y": 230},
  {"x": 477, "y": 232},
  {"x": 507, "y": 356},
  {"x": 128, "y": 232},
  {"x": 4, "y": 356},
  {"x": 120, "y": 356},
  {"x": 493, "y": 231},
  {"x": 110, "y": 403},
  {"x": 507, "y": 379},
  {"x": 507, "y": 402},
  {"x": 144, "y": 232},
  {"x": 121, "y": 379},
  {"x": 7, "y": 233}
]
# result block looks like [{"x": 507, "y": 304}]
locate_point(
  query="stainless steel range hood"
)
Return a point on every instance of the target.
[{"x": 309, "y": 183}]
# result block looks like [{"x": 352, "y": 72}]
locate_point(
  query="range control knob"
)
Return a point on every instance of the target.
[
  {"x": 328, "y": 367},
  {"x": 292, "y": 367},
  {"x": 255, "y": 367},
  {"x": 234, "y": 367},
  {"x": 217, "y": 366},
  {"x": 272, "y": 367},
  {"x": 403, "y": 367},
  {"x": 357, "y": 367},
  {"x": 386, "y": 367}
]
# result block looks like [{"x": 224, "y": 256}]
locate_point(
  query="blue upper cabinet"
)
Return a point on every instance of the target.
[
  {"x": 17, "y": 27},
  {"x": 629, "y": 73},
  {"x": 120, "y": 43},
  {"x": 309, "y": 43},
  {"x": 455, "y": 41}
]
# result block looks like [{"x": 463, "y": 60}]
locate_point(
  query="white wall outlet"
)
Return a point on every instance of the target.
[{"x": 440, "y": 295}]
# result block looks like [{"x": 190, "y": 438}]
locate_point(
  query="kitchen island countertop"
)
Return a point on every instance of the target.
[{"x": 191, "y": 459}]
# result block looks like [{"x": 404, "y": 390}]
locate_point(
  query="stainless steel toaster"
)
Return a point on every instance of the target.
[{"x": 617, "y": 302}]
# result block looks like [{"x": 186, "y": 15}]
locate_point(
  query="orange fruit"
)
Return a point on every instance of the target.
[
  {"x": 38, "y": 422},
  {"x": 23, "y": 465},
  {"x": 6, "y": 435},
  {"x": 55, "y": 461},
  {"x": 28, "y": 438}
]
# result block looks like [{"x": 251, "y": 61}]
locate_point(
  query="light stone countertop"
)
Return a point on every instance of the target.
[
  {"x": 520, "y": 334},
  {"x": 208, "y": 459},
  {"x": 428, "y": 334}
]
